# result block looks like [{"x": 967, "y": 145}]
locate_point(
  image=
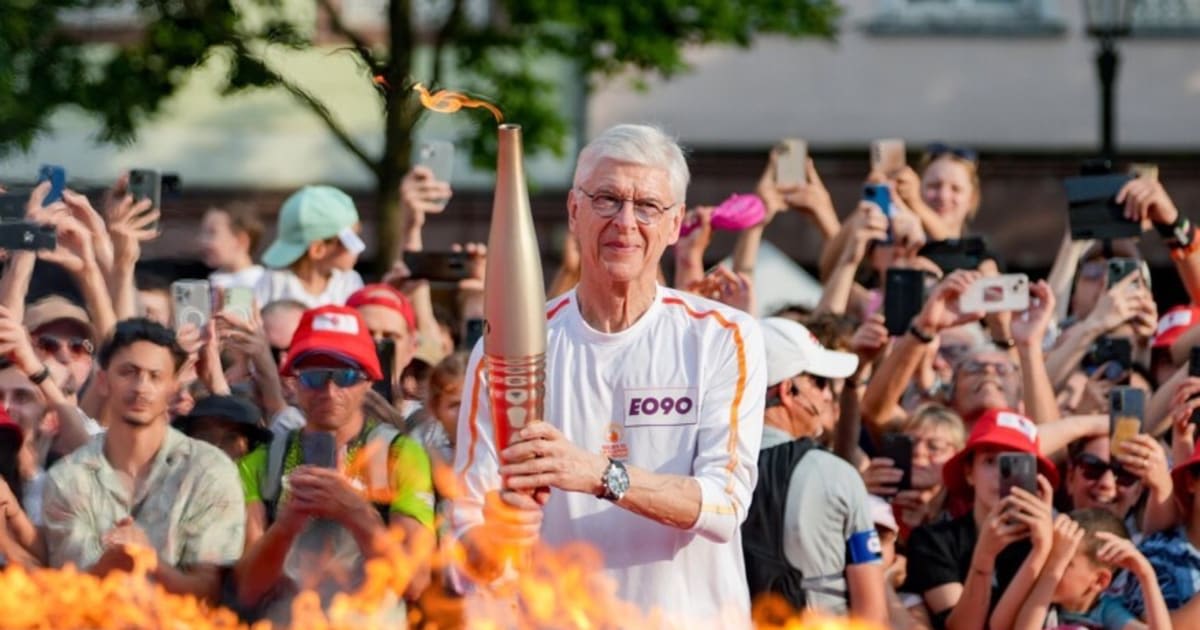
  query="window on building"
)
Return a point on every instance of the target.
[{"x": 966, "y": 17}]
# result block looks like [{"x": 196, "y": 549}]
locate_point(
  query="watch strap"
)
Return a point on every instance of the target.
[{"x": 40, "y": 376}]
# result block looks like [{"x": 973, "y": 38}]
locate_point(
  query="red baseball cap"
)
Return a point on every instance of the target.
[
  {"x": 386, "y": 296},
  {"x": 1173, "y": 324},
  {"x": 335, "y": 331},
  {"x": 1180, "y": 479},
  {"x": 1000, "y": 429}
]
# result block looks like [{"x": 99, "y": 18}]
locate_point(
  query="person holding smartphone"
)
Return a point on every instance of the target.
[
  {"x": 966, "y": 562},
  {"x": 946, "y": 194}
]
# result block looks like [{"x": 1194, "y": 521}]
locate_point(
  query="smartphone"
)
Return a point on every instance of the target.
[
  {"x": 791, "y": 167},
  {"x": 1113, "y": 351},
  {"x": 954, "y": 254},
  {"x": 192, "y": 302},
  {"x": 57, "y": 176},
  {"x": 904, "y": 296},
  {"x": 881, "y": 195},
  {"x": 26, "y": 236},
  {"x": 443, "y": 266},
  {"x": 888, "y": 156},
  {"x": 1125, "y": 415},
  {"x": 145, "y": 183},
  {"x": 474, "y": 332},
  {"x": 1092, "y": 208},
  {"x": 385, "y": 349},
  {"x": 239, "y": 301},
  {"x": 319, "y": 449},
  {"x": 1017, "y": 470},
  {"x": 1194, "y": 371},
  {"x": 437, "y": 156},
  {"x": 1120, "y": 268},
  {"x": 898, "y": 447},
  {"x": 996, "y": 294}
]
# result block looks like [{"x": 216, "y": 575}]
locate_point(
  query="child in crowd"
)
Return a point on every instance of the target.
[
  {"x": 228, "y": 239},
  {"x": 1090, "y": 546},
  {"x": 312, "y": 258}
]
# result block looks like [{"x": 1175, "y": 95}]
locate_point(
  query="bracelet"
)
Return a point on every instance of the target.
[
  {"x": 1005, "y": 344},
  {"x": 41, "y": 376},
  {"x": 1183, "y": 252},
  {"x": 921, "y": 335},
  {"x": 1180, "y": 230}
]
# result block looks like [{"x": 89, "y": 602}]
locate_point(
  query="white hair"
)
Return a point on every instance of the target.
[{"x": 643, "y": 145}]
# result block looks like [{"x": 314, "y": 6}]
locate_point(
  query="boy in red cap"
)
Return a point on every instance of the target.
[
  {"x": 381, "y": 478},
  {"x": 963, "y": 563}
]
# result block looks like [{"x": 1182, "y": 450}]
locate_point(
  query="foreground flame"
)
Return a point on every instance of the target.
[
  {"x": 563, "y": 588},
  {"x": 448, "y": 102}
]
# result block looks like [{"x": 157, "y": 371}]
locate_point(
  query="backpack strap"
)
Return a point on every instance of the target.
[
  {"x": 272, "y": 483},
  {"x": 378, "y": 472}
]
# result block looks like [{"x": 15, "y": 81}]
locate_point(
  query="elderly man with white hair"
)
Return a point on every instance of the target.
[{"x": 653, "y": 406}]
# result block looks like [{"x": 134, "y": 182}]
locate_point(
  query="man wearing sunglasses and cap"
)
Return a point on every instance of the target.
[
  {"x": 382, "y": 478},
  {"x": 809, "y": 503}
]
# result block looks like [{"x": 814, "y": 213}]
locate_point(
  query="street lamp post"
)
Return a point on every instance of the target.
[{"x": 1108, "y": 20}]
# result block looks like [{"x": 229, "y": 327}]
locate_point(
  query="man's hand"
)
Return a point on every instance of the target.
[
  {"x": 868, "y": 225},
  {"x": 869, "y": 339},
  {"x": 727, "y": 287},
  {"x": 1030, "y": 326},
  {"x": 325, "y": 493},
  {"x": 541, "y": 457},
  {"x": 16, "y": 345},
  {"x": 74, "y": 248},
  {"x": 1119, "y": 304},
  {"x": 1146, "y": 199},
  {"x": 81, "y": 208},
  {"x": 881, "y": 477},
  {"x": 476, "y": 266},
  {"x": 942, "y": 310},
  {"x": 422, "y": 193},
  {"x": 128, "y": 227}
]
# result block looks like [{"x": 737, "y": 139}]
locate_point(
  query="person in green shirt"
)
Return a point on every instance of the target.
[{"x": 314, "y": 527}]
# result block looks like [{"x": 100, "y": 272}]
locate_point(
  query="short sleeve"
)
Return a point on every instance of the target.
[
  {"x": 935, "y": 564},
  {"x": 412, "y": 481},
  {"x": 65, "y": 518},
  {"x": 251, "y": 469},
  {"x": 862, "y": 540}
]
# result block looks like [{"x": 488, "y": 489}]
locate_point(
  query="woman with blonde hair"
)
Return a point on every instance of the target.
[{"x": 946, "y": 194}]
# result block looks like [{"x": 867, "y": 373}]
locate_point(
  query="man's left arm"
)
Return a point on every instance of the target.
[
  {"x": 865, "y": 581},
  {"x": 216, "y": 532}
]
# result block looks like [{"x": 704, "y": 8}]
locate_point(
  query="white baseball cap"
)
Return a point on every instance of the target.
[
  {"x": 792, "y": 350},
  {"x": 881, "y": 513}
]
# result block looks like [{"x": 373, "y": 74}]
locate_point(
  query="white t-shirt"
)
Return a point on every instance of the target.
[
  {"x": 609, "y": 394},
  {"x": 282, "y": 284},
  {"x": 247, "y": 278}
]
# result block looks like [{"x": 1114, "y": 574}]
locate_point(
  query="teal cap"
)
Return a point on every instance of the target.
[{"x": 313, "y": 213}]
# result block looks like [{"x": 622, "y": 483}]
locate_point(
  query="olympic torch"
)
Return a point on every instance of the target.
[{"x": 514, "y": 300}]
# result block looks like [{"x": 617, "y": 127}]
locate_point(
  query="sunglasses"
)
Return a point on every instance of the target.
[
  {"x": 1093, "y": 468},
  {"x": 820, "y": 381},
  {"x": 77, "y": 345},
  {"x": 318, "y": 378},
  {"x": 938, "y": 149},
  {"x": 978, "y": 367}
]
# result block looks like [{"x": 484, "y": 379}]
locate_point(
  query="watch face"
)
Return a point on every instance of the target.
[{"x": 616, "y": 480}]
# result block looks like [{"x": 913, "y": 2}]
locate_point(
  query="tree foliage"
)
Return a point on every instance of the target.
[{"x": 48, "y": 64}]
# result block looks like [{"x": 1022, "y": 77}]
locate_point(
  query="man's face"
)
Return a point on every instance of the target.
[
  {"x": 986, "y": 380},
  {"x": 620, "y": 248},
  {"x": 140, "y": 383},
  {"x": 22, "y": 399},
  {"x": 69, "y": 343},
  {"x": 156, "y": 306},
  {"x": 329, "y": 407},
  {"x": 386, "y": 323}
]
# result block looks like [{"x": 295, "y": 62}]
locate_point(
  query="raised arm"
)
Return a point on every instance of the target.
[
  {"x": 1146, "y": 199},
  {"x": 1029, "y": 331}
]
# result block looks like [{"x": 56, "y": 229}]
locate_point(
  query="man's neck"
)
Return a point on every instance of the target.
[
  {"x": 611, "y": 306},
  {"x": 350, "y": 430},
  {"x": 131, "y": 449},
  {"x": 776, "y": 417}
]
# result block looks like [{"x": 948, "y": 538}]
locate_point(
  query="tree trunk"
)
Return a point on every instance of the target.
[{"x": 390, "y": 215}]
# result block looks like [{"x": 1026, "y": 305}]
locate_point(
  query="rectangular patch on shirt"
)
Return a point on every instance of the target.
[{"x": 660, "y": 407}]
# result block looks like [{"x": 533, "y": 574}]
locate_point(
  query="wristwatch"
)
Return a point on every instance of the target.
[{"x": 615, "y": 481}]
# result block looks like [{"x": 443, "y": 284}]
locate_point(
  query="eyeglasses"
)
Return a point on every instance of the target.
[
  {"x": 938, "y": 149},
  {"x": 77, "y": 345},
  {"x": 977, "y": 367},
  {"x": 606, "y": 205},
  {"x": 317, "y": 378},
  {"x": 1093, "y": 468}
]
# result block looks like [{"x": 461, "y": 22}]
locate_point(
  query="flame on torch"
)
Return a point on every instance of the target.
[{"x": 448, "y": 102}]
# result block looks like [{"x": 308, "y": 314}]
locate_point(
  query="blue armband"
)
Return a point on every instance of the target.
[{"x": 864, "y": 547}]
